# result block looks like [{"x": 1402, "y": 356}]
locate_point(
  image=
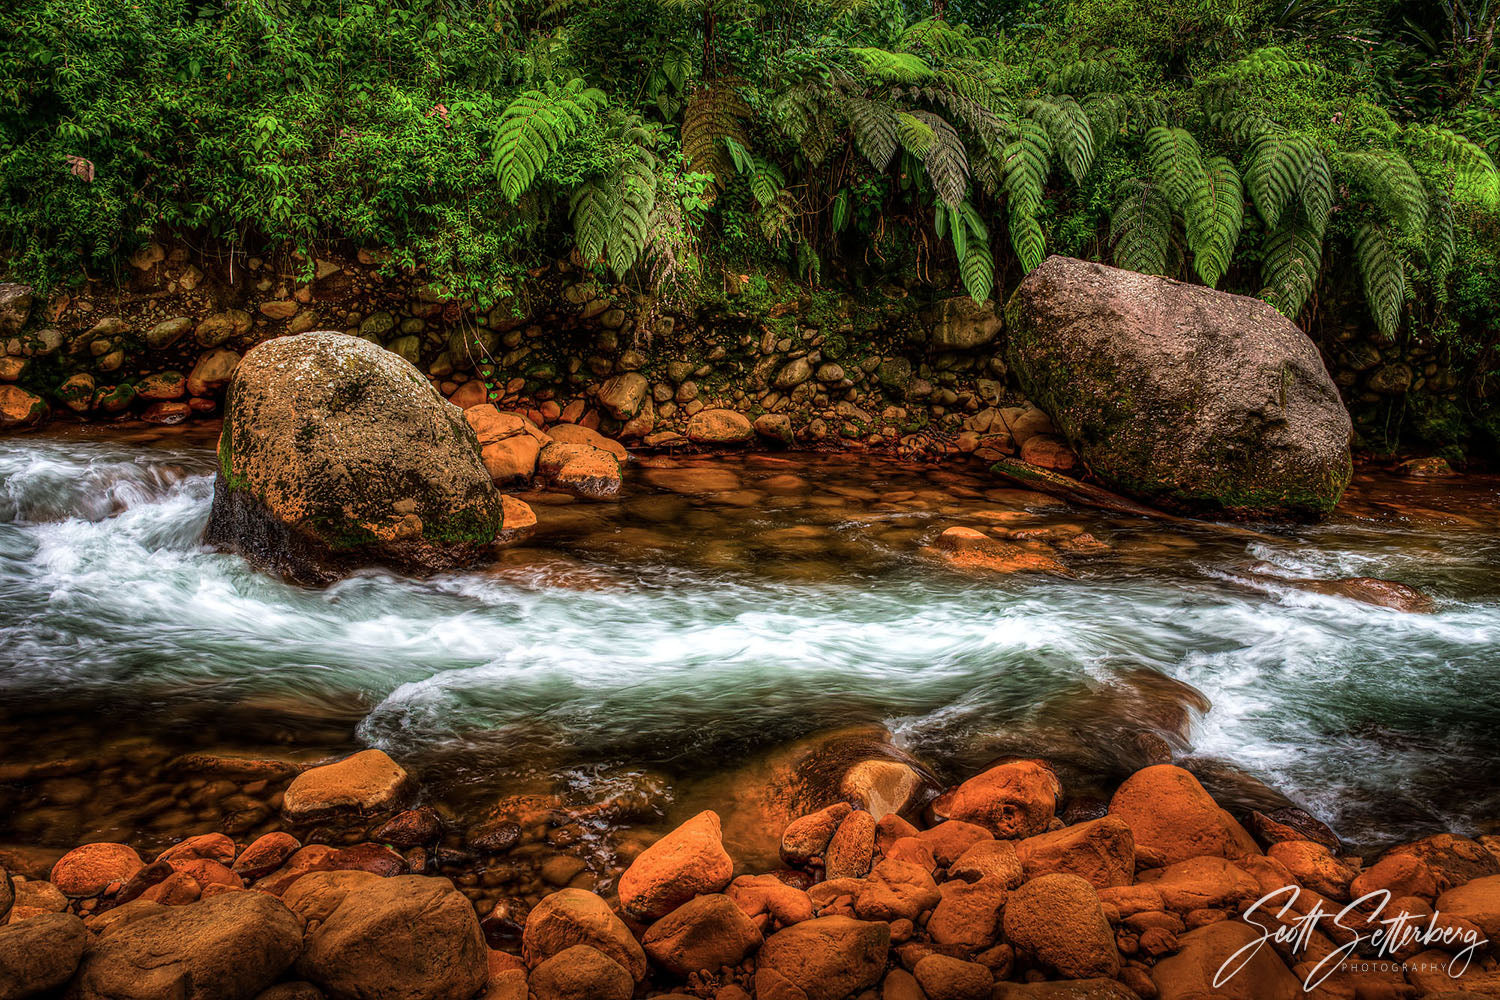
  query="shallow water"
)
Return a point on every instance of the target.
[{"x": 725, "y": 607}]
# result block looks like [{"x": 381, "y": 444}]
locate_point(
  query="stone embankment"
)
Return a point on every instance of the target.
[{"x": 980, "y": 891}]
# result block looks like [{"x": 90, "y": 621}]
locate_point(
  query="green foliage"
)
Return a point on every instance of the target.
[{"x": 1241, "y": 143}]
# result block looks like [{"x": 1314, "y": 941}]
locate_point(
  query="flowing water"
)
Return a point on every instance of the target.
[{"x": 724, "y": 608}]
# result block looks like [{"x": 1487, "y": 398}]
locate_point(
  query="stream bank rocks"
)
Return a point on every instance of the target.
[
  {"x": 336, "y": 454},
  {"x": 1180, "y": 394},
  {"x": 981, "y": 892}
]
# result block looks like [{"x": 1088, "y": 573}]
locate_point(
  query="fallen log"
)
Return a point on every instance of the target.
[{"x": 1074, "y": 491}]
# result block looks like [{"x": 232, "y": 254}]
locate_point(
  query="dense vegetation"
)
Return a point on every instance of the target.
[{"x": 1299, "y": 149}]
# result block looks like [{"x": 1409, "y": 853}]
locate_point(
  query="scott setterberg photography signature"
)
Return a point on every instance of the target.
[{"x": 1390, "y": 935}]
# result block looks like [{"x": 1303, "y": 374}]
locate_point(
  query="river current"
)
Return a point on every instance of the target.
[{"x": 728, "y": 606}]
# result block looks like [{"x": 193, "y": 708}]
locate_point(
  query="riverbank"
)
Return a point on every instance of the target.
[{"x": 978, "y": 891}]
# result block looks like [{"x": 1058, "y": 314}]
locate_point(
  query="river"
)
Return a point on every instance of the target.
[{"x": 726, "y": 607}]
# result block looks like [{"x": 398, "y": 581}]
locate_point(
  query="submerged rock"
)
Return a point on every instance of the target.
[
  {"x": 1180, "y": 394},
  {"x": 336, "y": 453}
]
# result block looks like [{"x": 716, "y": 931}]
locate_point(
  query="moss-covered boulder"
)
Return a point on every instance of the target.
[
  {"x": 1180, "y": 394},
  {"x": 336, "y": 454}
]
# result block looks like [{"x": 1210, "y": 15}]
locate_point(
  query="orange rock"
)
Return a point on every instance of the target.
[
  {"x": 1315, "y": 867},
  {"x": 265, "y": 855},
  {"x": 511, "y": 460},
  {"x": 509, "y": 984},
  {"x": 807, "y": 837},
  {"x": 852, "y": 849},
  {"x": 1453, "y": 860},
  {"x": 577, "y": 434},
  {"x": 719, "y": 426},
  {"x": 1189, "y": 974},
  {"x": 829, "y": 958},
  {"x": 1129, "y": 899},
  {"x": 572, "y": 917},
  {"x": 1101, "y": 851},
  {"x": 913, "y": 850},
  {"x": 969, "y": 914},
  {"x": 945, "y": 978},
  {"x": 1057, "y": 922},
  {"x": 1014, "y": 799},
  {"x": 950, "y": 840},
  {"x": 1430, "y": 972},
  {"x": 995, "y": 859},
  {"x": 177, "y": 889},
  {"x": 580, "y": 973},
  {"x": 580, "y": 469},
  {"x": 206, "y": 872},
  {"x": 890, "y": 829},
  {"x": 1173, "y": 818},
  {"x": 90, "y": 869},
  {"x": 471, "y": 393},
  {"x": 896, "y": 890},
  {"x": 1478, "y": 902},
  {"x": 767, "y": 894},
  {"x": 1202, "y": 883},
  {"x": 900, "y": 985},
  {"x": 1401, "y": 874},
  {"x": 687, "y": 862},
  {"x": 1050, "y": 452},
  {"x": 209, "y": 846},
  {"x": 704, "y": 934},
  {"x": 967, "y": 549},
  {"x": 365, "y": 782}
]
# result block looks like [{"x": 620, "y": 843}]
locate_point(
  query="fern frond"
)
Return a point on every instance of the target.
[
  {"x": 533, "y": 126},
  {"x": 892, "y": 67},
  {"x": 1069, "y": 127},
  {"x": 1289, "y": 268},
  {"x": 1383, "y": 276},
  {"x": 1140, "y": 229},
  {"x": 593, "y": 208},
  {"x": 1441, "y": 246},
  {"x": 1087, "y": 74},
  {"x": 876, "y": 129},
  {"x": 1274, "y": 175},
  {"x": 916, "y": 135},
  {"x": 1027, "y": 238},
  {"x": 977, "y": 268},
  {"x": 633, "y": 219},
  {"x": 1027, "y": 162},
  {"x": 713, "y": 113},
  {"x": 1391, "y": 183},
  {"x": 1176, "y": 165},
  {"x": 947, "y": 161},
  {"x": 1213, "y": 227},
  {"x": 766, "y": 181},
  {"x": 1316, "y": 192},
  {"x": 1475, "y": 176}
]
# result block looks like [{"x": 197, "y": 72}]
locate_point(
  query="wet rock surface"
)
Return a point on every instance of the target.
[{"x": 335, "y": 453}]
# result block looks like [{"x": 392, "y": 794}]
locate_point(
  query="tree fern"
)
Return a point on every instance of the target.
[
  {"x": 633, "y": 218},
  {"x": 1140, "y": 230},
  {"x": 1315, "y": 193},
  {"x": 1383, "y": 275},
  {"x": 1440, "y": 244},
  {"x": 1213, "y": 227},
  {"x": 533, "y": 126}
]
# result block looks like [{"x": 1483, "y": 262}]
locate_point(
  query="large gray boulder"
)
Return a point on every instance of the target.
[
  {"x": 336, "y": 453},
  {"x": 1180, "y": 394}
]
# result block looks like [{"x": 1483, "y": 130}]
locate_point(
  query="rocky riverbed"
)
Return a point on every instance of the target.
[{"x": 730, "y": 644}]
